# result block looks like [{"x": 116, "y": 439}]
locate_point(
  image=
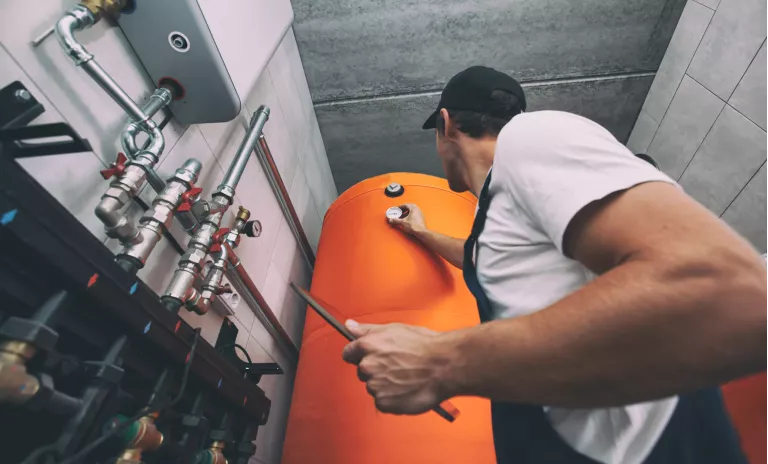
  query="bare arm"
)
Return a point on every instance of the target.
[
  {"x": 450, "y": 249},
  {"x": 680, "y": 304}
]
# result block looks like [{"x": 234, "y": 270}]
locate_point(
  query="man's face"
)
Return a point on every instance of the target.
[{"x": 448, "y": 151}]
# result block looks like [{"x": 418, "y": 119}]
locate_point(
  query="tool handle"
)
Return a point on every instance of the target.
[{"x": 447, "y": 411}]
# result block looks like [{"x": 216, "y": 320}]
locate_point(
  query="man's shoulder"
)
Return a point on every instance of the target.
[
  {"x": 550, "y": 130},
  {"x": 548, "y": 120}
]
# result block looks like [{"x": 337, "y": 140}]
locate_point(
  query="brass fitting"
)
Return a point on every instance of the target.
[
  {"x": 142, "y": 436},
  {"x": 214, "y": 454},
  {"x": 101, "y": 8},
  {"x": 243, "y": 214},
  {"x": 16, "y": 385}
]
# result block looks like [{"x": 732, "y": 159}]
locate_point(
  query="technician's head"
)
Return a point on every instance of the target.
[{"x": 474, "y": 107}]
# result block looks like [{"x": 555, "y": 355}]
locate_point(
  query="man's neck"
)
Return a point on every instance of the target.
[{"x": 478, "y": 162}]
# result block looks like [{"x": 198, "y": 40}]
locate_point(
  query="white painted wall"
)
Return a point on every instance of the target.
[{"x": 273, "y": 259}]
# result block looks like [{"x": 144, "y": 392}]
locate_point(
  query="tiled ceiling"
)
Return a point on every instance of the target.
[{"x": 375, "y": 67}]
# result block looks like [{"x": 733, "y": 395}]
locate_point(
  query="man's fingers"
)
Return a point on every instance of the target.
[
  {"x": 354, "y": 352},
  {"x": 358, "y": 329},
  {"x": 396, "y": 222}
]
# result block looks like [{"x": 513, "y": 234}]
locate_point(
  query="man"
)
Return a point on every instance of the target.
[{"x": 608, "y": 295}]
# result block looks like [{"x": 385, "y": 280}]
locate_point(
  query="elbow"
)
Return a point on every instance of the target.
[
  {"x": 721, "y": 276},
  {"x": 741, "y": 280},
  {"x": 726, "y": 291}
]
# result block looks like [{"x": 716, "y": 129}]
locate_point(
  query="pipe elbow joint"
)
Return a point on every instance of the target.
[
  {"x": 108, "y": 211},
  {"x": 78, "y": 18}
]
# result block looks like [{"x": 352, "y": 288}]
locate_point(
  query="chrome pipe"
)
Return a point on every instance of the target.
[
  {"x": 111, "y": 208},
  {"x": 236, "y": 168},
  {"x": 128, "y": 140},
  {"x": 191, "y": 263},
  {"x": 284, "y": 199},
  {"x": 240, "y": 279},
  {"x": 79, "y": 18},
  {"x": 159, "y": 217},
  {"x": 76, "y": 19},
  {"x": 98, "y": 74},
  {"x": 212, "y": 283},
  {"x": 159, "y": 99}
]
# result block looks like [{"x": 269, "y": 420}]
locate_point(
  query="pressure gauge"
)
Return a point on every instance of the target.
[{"x": 396, "y": 212}]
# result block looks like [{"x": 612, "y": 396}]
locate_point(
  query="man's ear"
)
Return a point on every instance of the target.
[{"x": 450, "y": 128}]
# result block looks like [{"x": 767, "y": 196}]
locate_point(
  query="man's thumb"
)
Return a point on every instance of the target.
[{"x": 358, "y": 329}]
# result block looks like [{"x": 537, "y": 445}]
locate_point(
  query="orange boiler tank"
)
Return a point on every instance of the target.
[{"x": 374, "y": 274}]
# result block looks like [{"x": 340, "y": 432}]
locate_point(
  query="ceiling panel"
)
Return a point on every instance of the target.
[
  {"x": 367, "y": 138},
  {"x": 375, "y": 67},
  {"x": 374, "y": 47}
]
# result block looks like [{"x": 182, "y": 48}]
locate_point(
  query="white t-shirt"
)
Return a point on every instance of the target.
[{"x": 548, "y": 166}]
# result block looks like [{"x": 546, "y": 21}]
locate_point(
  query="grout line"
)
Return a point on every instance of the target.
[
  {"x": 210, "y": 149},
  {"x": 705, "y": 88},
  {"x": 702, "y": 141},
  {"x": 747, "y": 69},
  {"x": 745, "y": 116},
  {"x": 524, "y": 84},
  {"x": 686, "y": 69},
  {"x": 742, "y": 188},
  {"x": 705, "y": 6},
  {"x": 658, "y": 126}
]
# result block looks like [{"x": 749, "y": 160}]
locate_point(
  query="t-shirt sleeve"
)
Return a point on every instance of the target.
[{"x": 554, "y": 164}]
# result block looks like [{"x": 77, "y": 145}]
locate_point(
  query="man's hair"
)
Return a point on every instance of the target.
[{"x": 503, "y": 107}]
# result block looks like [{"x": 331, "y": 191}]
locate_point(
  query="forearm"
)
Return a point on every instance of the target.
[
  {"x": 634, "y": 334},
  {"x": 449, "y": 248}
]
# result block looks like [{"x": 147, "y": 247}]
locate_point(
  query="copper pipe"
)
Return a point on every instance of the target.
[
  {"x": 284, "y": 199},
  {"x": 239, "y": 277}
]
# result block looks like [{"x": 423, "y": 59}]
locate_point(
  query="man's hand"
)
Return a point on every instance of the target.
[
  {"x": 412, "y": 224},
  {"x": 449, "y": 248},
  {"x": 401, "y": 365}
]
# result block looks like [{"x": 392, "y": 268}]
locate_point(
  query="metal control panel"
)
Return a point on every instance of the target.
[{"x": 172, "y": 40}]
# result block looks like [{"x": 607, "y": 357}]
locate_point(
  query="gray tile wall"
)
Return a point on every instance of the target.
[
  {"x": 375, "y": 67},
  {"x": 704, "y": 119}
]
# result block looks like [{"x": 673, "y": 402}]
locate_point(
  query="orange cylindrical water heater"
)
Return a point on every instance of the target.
[{"x": 374, "y": 274}]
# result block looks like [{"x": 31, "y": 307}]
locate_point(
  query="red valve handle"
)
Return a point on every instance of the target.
[
  {"x": 186, "y": 198},
  {"x": 218, "y": 239},
  {"x": 115, "y": 169}
]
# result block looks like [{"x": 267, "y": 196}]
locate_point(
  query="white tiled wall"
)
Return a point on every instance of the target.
[
  {"x": 704, "y": 119},
  {"x": 273, "y": 260}
]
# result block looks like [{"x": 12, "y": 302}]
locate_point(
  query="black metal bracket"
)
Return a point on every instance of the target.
[
  {"x": 17, "y": 106},
  {"x": 15, "y": 140},
  {"x": 225, "y": 344}
]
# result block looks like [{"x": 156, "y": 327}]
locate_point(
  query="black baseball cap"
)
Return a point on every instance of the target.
[{"x": 470, "y": 90}]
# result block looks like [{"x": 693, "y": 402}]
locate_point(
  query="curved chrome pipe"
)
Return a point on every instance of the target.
[
  {"x": 157, "y": 101},
  {"x": 79, "y": 18}
]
